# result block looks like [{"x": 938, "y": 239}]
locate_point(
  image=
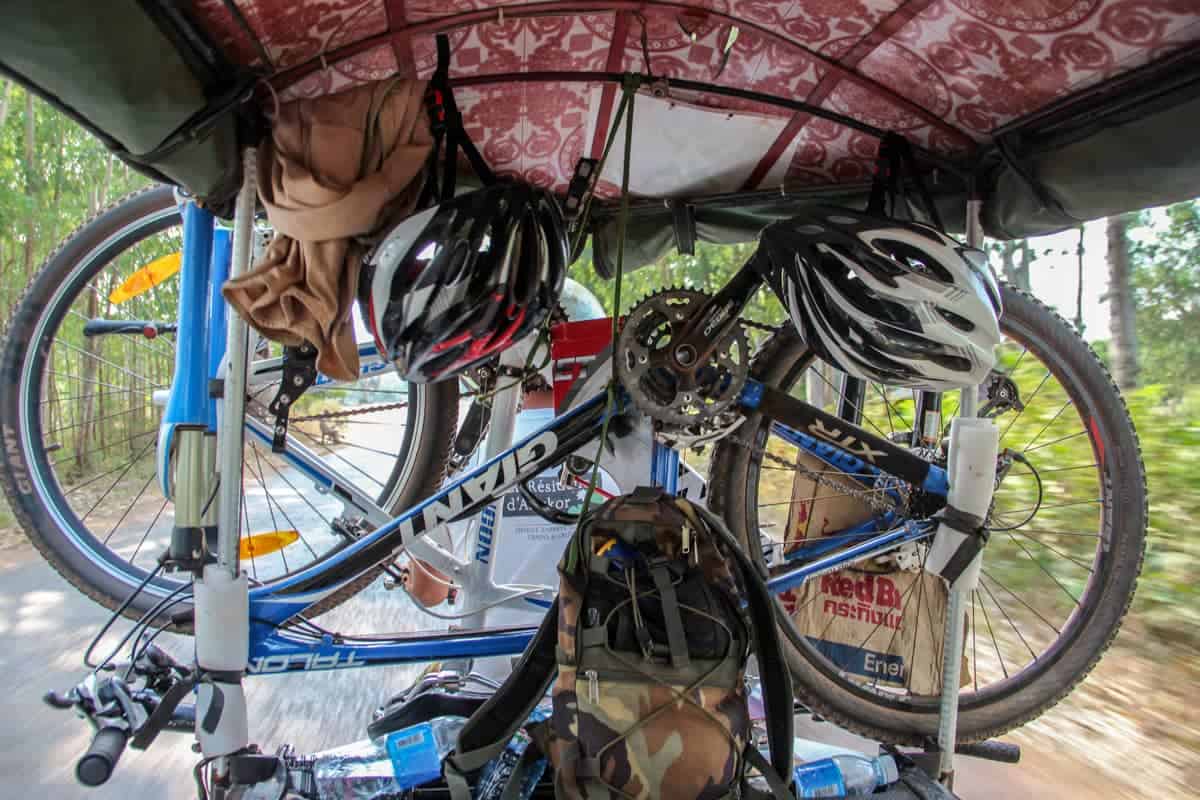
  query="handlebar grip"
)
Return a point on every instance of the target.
[
  {"x": 1004, "y": 752},
  {"x": 96, "y": 765}
]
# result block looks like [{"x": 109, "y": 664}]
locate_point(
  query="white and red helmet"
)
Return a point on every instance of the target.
[{"x": 457, "y": 283}]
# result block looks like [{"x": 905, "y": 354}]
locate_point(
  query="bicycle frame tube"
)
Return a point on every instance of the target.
[
  {"x": 188, "y": 404},
  {"x": 273, "y": 650}
]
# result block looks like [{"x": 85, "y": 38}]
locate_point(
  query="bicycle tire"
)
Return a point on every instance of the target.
[
  {"x": 982, "y": 715},
  {"x": 98, "y": 573}
]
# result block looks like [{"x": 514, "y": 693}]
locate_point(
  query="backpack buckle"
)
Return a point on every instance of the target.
[{"x": 435, "y": 103}]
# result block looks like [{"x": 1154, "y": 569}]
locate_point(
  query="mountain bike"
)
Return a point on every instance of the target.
[{"x": 1067, "y": 521}]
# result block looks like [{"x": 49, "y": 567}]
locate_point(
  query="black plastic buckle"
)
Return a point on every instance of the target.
[
  {"x": 435, "y": 103},
  {"x": 299, "y": 373},
  {"x": 581, "y": 183}
]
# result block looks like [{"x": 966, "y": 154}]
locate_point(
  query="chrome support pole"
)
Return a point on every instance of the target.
[
  {"x": 233, "y": 404},
  {"x": 221, "y": 593},
  {"x": 954, "y": 635}
]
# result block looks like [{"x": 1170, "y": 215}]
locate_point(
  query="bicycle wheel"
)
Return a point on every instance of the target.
[
  {"x": 1059, "y": 572},
  {"x": 81, "y": 426}
]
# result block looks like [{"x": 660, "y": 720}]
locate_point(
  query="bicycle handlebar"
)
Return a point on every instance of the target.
[
  {"x": 147, "y": 328},
  {"x": 96, "y": 765}
]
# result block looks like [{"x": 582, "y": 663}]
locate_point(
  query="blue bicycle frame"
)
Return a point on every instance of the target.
[{"x": 276, "y": 648}]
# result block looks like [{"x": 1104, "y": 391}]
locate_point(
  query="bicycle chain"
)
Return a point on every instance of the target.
[
  {"x": 351, "y": 412},
  {"x": 873, "y": 497}
]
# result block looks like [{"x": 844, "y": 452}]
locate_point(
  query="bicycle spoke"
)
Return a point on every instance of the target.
[
  {"x": 283, "y": 478},
  {"x": 1042, "y": 567},
  {"x": 115, "y": 366},
  {"x": 1049, "y": 422},
  {"x": 1052, "y": 550},
  {"x": 1011, "y": 624},
  {"x": 109, "y": 446},
  {"x": 146, "y": 535},
  {"x": 1016, "y": 511},
  {"x": 837, "y": 393},
  {"x": 1068, "y": 469},
  {"x": 125, "y": 514},
  {"x": 118, "y": 480},
  {"x": 1041, "y": 532},
  {"x": 283, "y": 512},
  {"x": 246, "y": 524},
  {"x": 974, "y": 642},
  {"x": 1018, "y": 598},
  {"x": 93, "y": 382},
  {"x": 94, "y": 420},
  {"x": 1056, "y": 441},
  {"x": 987, "y": 620},
  {"x": 887, "y": 404},
  {"x": 330, "y": 451},
  {"x": 1017, "y": 363}
]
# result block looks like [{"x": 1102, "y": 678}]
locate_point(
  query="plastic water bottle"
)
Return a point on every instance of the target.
[
  {"x": 496, "y": 772},
  {"x": 388, "y": 765},
  {"x": 822, "y": 770}
]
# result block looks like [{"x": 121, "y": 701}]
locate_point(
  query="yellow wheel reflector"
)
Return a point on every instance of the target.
[
  {"x": 147, "y": 278},
  {"x": 260, "y": 544}
]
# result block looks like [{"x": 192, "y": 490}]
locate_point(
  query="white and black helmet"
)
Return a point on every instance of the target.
[{"x": 886, "y": 300}]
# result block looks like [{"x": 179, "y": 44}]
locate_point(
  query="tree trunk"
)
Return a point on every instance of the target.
[
  {"x": 1079, "y": 283},
  {"x": 30, "y": 185},
  {"x": 1015, "y": 256},
  {"x": 1123, "y": 337},
  {"x": 5, "y": 93}
]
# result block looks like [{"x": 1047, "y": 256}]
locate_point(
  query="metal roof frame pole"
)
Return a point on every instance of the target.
[
  {"x": 955, "y": 636},
  {"x": 222, "y": 594}
]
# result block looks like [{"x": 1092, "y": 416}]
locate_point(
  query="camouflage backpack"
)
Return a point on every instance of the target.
[{"x": 657, "y": 613}]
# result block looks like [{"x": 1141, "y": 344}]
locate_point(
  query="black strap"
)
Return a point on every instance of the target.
[
  {"x": 774, "y": 675},
  {"x": 976, "y": 535},
  {"x": 490, "y": 728},
  {"x": 895, "y": 162},
  {"x": 684, "y": 219},
  {"x": 447, "y": 128},
  {"x": 676, "y": 638},
  {"x": 779, "y": 789},
  {"x": 161, "y": 716}
]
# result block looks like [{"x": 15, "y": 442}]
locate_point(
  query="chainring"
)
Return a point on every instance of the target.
[{"x": 686, "y": 402}]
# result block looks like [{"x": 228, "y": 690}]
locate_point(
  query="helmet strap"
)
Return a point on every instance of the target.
[
  {"x": 446, "y": 125},
  {"x": 894, "y": 164}
]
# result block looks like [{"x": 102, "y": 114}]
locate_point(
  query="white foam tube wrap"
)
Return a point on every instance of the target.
[
  {"x": 222, "y": 609},
  {"x": 232, "y": 730},
  {"x": 972, "y": 471}
]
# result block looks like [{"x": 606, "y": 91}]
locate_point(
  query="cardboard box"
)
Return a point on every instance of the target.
[{"x": 885, "y": 628}]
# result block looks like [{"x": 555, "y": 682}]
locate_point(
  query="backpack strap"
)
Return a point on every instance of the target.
[
  {"x": 490, "y": 728},
  {"x": 446, "y": 124},
  {"x": 774, "y": 675}
]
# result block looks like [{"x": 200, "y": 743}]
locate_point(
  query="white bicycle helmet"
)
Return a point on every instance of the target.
[{"x": 886, "y": 300}]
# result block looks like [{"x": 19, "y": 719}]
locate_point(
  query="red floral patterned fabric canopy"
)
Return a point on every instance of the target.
[{"x": 945, "y": 73}]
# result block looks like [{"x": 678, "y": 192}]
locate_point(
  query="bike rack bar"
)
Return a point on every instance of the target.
[
  {"x": 954, "y": 636},
  {"x": 233, "y": 406}
]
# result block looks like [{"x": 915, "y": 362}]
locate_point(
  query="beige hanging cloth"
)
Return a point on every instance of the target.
[{"x": 335, "y": 170}]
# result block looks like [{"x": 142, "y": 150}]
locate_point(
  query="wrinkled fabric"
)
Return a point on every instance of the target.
[{"x": 335, "y": 171}]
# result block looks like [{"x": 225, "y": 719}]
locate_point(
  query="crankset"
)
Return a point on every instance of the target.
[{"x": 690, "y": 396}]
